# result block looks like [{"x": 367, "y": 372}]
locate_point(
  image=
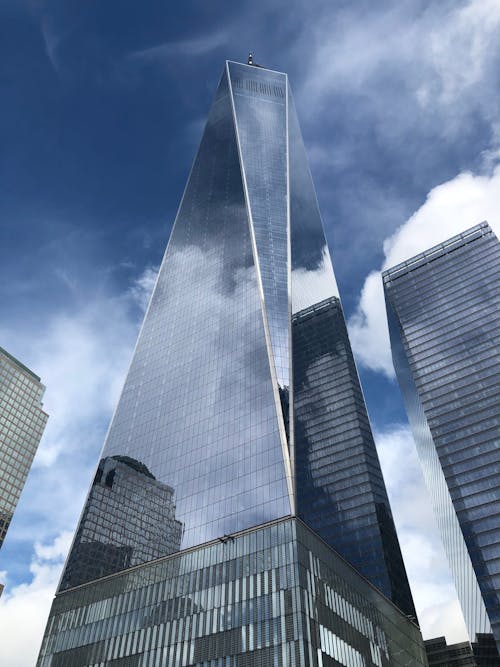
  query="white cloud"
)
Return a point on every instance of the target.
[
  {"x": 82, "y": 356},
  {"x": 141, "y": 289},
  {"x": 461, "y": 48},
  {"x": 440, "y": 56},
  {"x": 311, "y": 286},
  {"x": 450, "y": 208},
  {"x": 25, "y": 608},
  {"x": 433, "y": 590}
]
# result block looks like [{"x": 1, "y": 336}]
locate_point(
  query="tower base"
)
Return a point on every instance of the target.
[{"x": 272, "y": 596}]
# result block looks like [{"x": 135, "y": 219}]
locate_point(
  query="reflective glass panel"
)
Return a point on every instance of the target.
[
  {"x": 194, "y": 450},
  {"x": 260, "y": 111},
  {"x": 444, "y": 320},
  {"x": 340, "y": 491}
]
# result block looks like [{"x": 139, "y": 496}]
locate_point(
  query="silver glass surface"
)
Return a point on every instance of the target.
[
  {"x": 261, "y": 123},
  {"x": 444, "y": 316}
]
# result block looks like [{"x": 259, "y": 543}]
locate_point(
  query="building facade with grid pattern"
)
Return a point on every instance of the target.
[
  {"x": 22, "y": 422},
  {"x": 444, "y": 321},
  {"x": 272, "y": 596}
]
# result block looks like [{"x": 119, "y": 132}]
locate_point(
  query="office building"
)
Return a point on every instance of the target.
[
  {"x": 481, "y": 653},
  {"x": 444, "y": 313},
  {"x": 340, "y": 492},
  {"x": 261, "y": 439},
  {"x": 441, "y": 654},
  {"x": 22, "y": 422}
]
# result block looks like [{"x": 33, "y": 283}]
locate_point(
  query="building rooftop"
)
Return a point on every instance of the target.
[
  {"x": 18, "y": 363},
  {"x": 436, "y": 251}
]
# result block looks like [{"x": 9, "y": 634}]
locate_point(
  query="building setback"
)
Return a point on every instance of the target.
[
  {"x": 443, "y": 308},
  {"x": 22, "y": 422},
  {"x": 257, "y": 441}
]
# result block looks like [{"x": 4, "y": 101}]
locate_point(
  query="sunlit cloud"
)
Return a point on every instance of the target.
[
  {"x": 82, "y": 357},
  {"x": 24, "y": 608},
  {"x": 449, "y": 209}
]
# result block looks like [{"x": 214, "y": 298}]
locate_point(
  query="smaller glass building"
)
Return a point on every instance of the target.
[
  {"x": 272, "y": 596},
  {"x": 443, "y": 308},
  {"x": 22, "y": 421},
  {"x": 340, "y": 489}
]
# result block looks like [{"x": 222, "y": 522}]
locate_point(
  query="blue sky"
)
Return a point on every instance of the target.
[{"x": 103, "y": 105}]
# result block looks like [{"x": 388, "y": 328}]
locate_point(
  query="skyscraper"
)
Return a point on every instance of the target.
[
  {"x": 22, "y": 421},
  {"x": 242, "y": 398},
  {"x": 443, "y": 308}
]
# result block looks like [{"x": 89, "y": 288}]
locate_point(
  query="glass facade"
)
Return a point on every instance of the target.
[
  {"x": 22, "y": 422},
  {"x": 274, "y": 596},
  {"x": 340, "y": 489},
  {"x": 444, "y": 315},
  {"x": 240, "y": 408}
]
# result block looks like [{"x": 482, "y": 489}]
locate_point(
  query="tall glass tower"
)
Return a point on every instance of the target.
[
  {"x": 243, "y": 424},
  {"x": 444, "y": 315}
]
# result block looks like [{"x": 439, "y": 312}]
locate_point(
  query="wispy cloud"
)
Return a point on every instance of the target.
[
  {"x": 25, "y": 608},
  {"x": 82, "y": 357},
  {"x": 142, "y": 287},
  {"x": 195, "y": 46}
]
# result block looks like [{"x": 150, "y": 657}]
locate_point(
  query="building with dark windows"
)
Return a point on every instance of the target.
[
  {"x": 444, "y": 314},
  {"x": 482, "y": 652},
  {"x": 340, "y": 489},
  {"x": 22, "y": 422},
  {"x": 242, "y": 406}
]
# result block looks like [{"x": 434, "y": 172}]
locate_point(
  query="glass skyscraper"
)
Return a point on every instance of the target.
[
  {"x": 243, "y": 424},
  {"x": 22, "y": 422},
  {"x": 444, "y": 314}
]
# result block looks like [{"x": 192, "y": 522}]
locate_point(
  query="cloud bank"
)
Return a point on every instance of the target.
[
  {"x": 450, "y": 208},
  {"x": 82, "y": 356},
  {"x": 25, "y": 607}
]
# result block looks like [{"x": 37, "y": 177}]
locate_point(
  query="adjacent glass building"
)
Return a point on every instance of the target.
[
  {"x": 22, "y": 422},
  {"x": 242, "y": 408},
  {"x": 444, "y": 316}
]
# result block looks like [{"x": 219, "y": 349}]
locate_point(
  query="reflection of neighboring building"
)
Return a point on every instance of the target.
[
  {"x": 22, "y": 422},
  {"x": 340, "y": 488},
  {"x": 129, "y": 518},
  {"x": 444, "y": 320}
]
